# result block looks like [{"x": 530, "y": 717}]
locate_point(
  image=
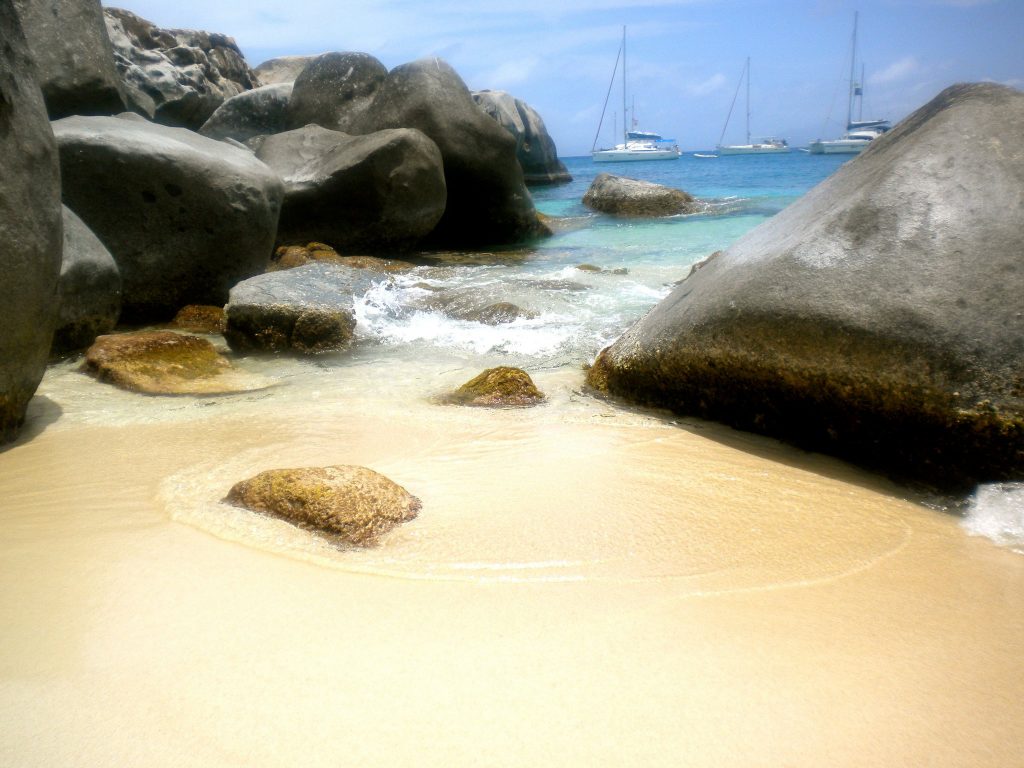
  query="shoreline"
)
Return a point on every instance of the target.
[{"x": 853, "y": 627}]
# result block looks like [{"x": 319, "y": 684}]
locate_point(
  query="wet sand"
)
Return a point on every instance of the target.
[{"x": 584, "y": 586}]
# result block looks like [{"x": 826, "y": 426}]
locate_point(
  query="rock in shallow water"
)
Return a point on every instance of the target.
[
  {"x": 629, "y": 197},
  {"x": 878, "y": 317},
  {"x": 166, "y": 363},
  {"x": 308, "y": 309},
  {"x": 353, "y": 504},
  {"x": 502, "y": 387}
]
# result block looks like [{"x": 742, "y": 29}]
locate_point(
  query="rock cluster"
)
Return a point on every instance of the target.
[
  {"x": 175, "y": 76},
  {"x": 184, "y": 217}
]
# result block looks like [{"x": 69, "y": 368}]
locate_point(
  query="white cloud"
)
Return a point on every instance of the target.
[
  {"x": 898, "y": 70},
  {"x": 710, "y": 85}
]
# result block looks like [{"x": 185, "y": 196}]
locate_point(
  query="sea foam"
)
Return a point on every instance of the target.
[{"x": 997, "y": 512}]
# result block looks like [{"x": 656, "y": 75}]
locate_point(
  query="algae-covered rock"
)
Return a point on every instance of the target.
[
  {"x": 353, "y": 504},
  {"x": 200, "y": 318},
  {"x": 291, "y": 256},
  {"x": 630, "y": 197},
  {"x": 166, "y": 363},
  {"x": 502, "y": 387}
]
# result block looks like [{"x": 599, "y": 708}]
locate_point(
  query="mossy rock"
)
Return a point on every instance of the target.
[
  {"x": 502, "y": 387},
  {"x": 352, "y": 504},
  {"x": 200, "y": 318},
  {"x": 166, "y": 363},
  {"x": 291, "y": 256}
]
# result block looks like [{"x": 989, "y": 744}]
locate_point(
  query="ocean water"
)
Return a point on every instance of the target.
[{"x": 575, "y": 312}]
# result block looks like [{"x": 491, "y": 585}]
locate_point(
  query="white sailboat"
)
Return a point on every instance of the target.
[
  {"x": 636, "y": 145},
  {"x": 763, "y": 146},
  {"x": 859, "y": 132}
]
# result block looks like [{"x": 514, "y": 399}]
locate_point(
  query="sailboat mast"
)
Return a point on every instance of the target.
[
  {"x": 625, "y": 130},
  {"x": 748, "y": 99},
  {"x": 860, "y": 92},
  {"x": 853, "y": 69}
]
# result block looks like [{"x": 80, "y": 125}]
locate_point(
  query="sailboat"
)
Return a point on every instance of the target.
[
  {"x": 764, "y": 146},
  {"x": 859, "y": 132},
  {"x": 636, "y": 145}
]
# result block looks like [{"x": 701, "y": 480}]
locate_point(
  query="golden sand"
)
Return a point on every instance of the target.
[{"x": 584, "y": 586}]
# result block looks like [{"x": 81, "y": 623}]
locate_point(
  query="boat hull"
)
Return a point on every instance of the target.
[
  {"x": 838, "y": 147},
  {"x": 752, "y": 149},
  {"x": 633, "y": 155}
]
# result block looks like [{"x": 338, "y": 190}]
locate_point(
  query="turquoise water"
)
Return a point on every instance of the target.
[{"x": 573, "y": 313}]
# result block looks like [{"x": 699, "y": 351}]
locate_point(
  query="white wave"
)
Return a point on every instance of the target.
[{"x": 997, "y": 512}]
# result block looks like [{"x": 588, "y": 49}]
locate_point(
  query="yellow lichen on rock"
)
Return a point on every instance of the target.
[
  {"x": 353, "y": 504},
  {"x": 501, "y": 387}
]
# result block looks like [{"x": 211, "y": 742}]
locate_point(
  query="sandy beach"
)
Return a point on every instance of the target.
[{"x": 585, "y": 585}]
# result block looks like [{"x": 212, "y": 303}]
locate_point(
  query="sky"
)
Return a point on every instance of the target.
[{"x": 684, "y": 57}]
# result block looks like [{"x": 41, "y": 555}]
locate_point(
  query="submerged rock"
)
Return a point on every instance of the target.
[
  {"x": 502, "y": 387},
  {"x": 350, "y": 503},
  {"x": 535, "y": 149},
  {"x": 166, "y": 363},
  {"x": 879, "y": 317},
  {"x": 307, "y": 309},
  {"x": 30, "y": 228},
  {"x": 90, "y": 288},
  {"x": 630, "y": 197}
]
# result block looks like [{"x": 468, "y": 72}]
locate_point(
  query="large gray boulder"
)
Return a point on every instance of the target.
[
  {"x": 30, "y": 227},
  {"x": 175, "y": 76},
  {"x": 185, "y": 217},
  {"x": 258, "y": 112},
  {"x": 335, "y": 89},
  {"x": 90, "y": 288},
  {"x": 535, "y": 149},
  {"x": 488, "y": 203},
  {"x": 283, "y": 69},
  {"x": 305, "y": 310},
  {"x": 73, "y": 56},
  {"x": 381, "y": 192},
  {"x": 619, "y": 196},
  {"x": 880, "y": 317}
]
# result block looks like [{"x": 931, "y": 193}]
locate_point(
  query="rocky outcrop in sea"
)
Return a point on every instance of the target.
[
  {"x": 878, "y": 317},
  {"x": 535, "y": 149},
  {"x": 619, "y": 196}
]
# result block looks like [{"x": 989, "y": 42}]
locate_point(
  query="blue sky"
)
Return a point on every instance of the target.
[{"x": 684, "y": 56}]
